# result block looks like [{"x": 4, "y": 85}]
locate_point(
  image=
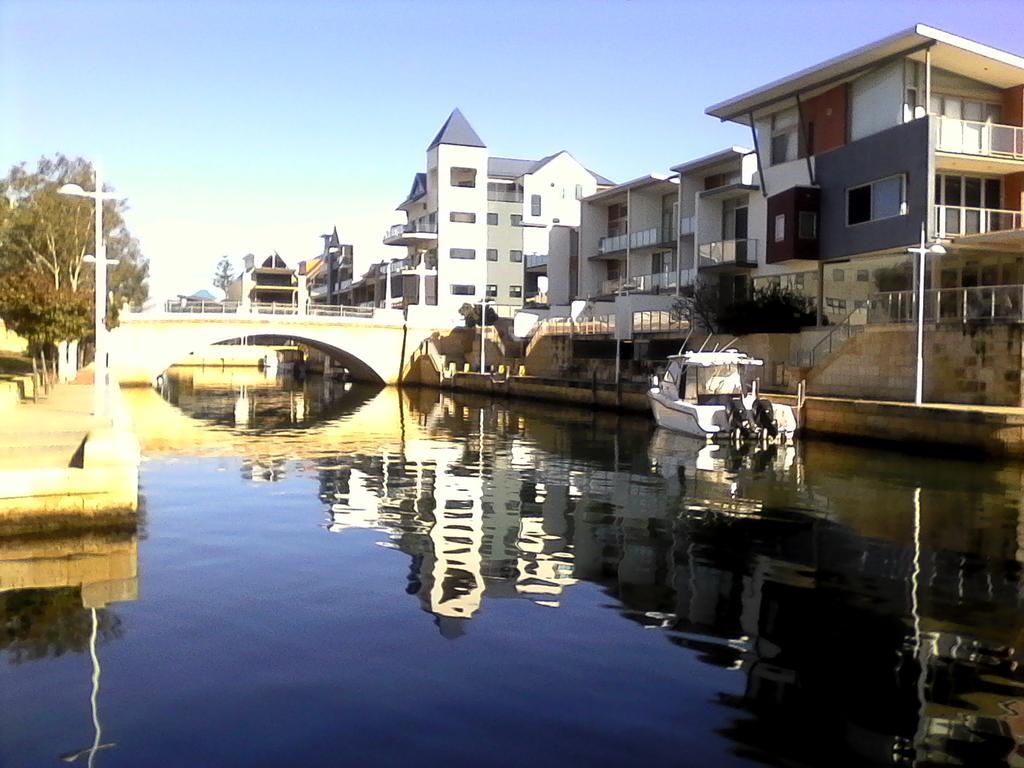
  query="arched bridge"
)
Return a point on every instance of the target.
[{"x": 374, "y": 344}]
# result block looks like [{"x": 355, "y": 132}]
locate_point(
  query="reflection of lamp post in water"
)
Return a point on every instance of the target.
[
  {"x": 622, "y": 290},
  {"x": 97, "y": 744}
]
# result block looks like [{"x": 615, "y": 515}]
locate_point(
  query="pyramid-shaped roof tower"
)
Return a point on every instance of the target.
[{"x": 457, "y": 130}]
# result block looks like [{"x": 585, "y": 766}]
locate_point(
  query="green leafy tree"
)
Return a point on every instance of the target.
[
  {"x": 46, "y": 286},
  {"x": 224, "y": 275}
]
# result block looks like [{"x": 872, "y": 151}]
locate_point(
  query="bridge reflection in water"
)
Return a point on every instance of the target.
[{"x": 872, "y": 602}]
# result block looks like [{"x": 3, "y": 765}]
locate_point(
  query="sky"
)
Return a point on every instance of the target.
[{"x": 238, "y": 127}]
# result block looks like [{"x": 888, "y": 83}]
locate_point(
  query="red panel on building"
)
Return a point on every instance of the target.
[
  {"x": 825, "y": 121},
  {"x": 793, "y": 225}
]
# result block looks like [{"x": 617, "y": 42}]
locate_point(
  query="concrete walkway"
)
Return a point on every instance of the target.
[{"x": 49, "y": 433}]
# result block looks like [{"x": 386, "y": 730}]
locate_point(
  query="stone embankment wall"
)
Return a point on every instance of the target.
[{"x": 977, "y": 365}]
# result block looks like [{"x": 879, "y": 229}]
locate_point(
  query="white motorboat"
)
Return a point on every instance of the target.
[{"x": 714, "y": 395}]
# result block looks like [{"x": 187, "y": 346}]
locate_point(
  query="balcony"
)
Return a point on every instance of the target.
[
  {"x": 410, "y": 234},
  {"x": 727, "y": 253},
  {"x": 956, "y": 221},
  {"x": 645, "y": 238},
  {"x": 687, "y": 225},
  {"x": 653, "y": 283},
  {"x": 991, "y": 140},
  {"x": 536, "y": 261}
]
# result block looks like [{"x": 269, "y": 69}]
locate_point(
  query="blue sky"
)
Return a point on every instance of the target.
[{"x": 236, "y": 127}]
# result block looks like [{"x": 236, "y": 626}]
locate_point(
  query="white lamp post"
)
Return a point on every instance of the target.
[
  {"x": 922, "y": 251},
  {"x": 484, "y": 303},
  {"x": 101, "y": 261}
]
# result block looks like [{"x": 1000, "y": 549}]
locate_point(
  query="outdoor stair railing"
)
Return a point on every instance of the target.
[
  {"x": 564, "y": 326},
  {"x": 838, "y": 335}
]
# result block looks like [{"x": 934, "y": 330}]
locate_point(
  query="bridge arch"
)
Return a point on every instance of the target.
[{"x": 142, "y": 347}]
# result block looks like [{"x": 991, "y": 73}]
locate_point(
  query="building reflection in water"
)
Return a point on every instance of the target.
[
  {"x": 861, "y": 609},
  {"x": 55, "y": 598}
]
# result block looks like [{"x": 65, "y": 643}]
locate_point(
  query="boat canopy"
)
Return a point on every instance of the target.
[{"x": 710, "y": 359}]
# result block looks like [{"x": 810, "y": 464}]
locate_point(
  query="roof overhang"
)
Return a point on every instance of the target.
[
  {"x": 710, "y": 161},
  {"x": 948, "y": 51},
  {"x": 651, "y": 179}
]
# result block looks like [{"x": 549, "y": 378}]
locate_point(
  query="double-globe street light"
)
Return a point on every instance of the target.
[
  {"x": 100, "y": 379},
  {"x": 922, "y": 251}
]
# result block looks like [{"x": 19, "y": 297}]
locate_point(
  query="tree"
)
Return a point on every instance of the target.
[
  {"x": 768, "y": 310},
  {"x": 46, "y": 289},
  {"x": 224, "y": 275},
  {"x": 471, "y": 314},
  {"x": 698, "y": 303}
]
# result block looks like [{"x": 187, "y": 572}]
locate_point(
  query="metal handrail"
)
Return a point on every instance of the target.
[
  {"x": 973, "y": 137},
  {"x": 840, "y": 333},
  {"x": 742, "y": 251},
  {"x": 985, "y": 303},
  {"x": 959, "y": 220}
]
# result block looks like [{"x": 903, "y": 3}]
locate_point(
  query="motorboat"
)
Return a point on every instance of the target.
[{"x": 713, "y": 395}]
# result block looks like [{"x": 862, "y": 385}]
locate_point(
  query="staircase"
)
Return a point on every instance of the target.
[{"x": 838, "y": 335}]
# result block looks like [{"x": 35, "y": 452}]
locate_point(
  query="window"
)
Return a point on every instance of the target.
[
  {"x": 462, "y": 253},
  {"x": 463, "y": 290},
  {"x": 462, "y": 217},
  {"x": 515, "y": 220},
  {"x": 863, "y": 276},
  {"x": 838, "y": 276},
  {"x": 535, "y": 205},
  {"x": 515, "y": 291},
  {"x": 463, "y": 177},
  {"x": 880, "y": 199},
  {"x": 492, "y": 254},
  {"x": 492, "y": 219},
  {"x": 515, "y": 255},
  {"x": 492, "y": 291},
  {"x": 784, "y": 136},
  {"x": 780, "y": 228},
  {"x": 807, "y": 225},
  {"x": 579, "y": 191}
]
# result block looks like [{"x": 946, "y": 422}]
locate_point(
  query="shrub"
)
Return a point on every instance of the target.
[{"x": 768, "y": 310}]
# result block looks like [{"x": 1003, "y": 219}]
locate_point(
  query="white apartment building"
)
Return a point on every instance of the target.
[{"x": 474, "y": 221}]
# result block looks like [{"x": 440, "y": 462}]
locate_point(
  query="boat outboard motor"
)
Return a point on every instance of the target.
[
  {"x": 764, "y": 417},
  {"x": 740, "y": 422}
]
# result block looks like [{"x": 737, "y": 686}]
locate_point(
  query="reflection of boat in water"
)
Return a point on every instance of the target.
[
  {"x": 735, "y": 479},
  {"x": 714, "y": 395}
]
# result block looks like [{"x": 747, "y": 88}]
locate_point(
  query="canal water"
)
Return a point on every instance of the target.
[{"x": 326, "y": 574}]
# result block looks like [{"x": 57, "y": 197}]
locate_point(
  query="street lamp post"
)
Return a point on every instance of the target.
[
  {"x": 484, "y": 303},
  {"x": 100, "y": 383},
  {"x": 922, "y": 251}
]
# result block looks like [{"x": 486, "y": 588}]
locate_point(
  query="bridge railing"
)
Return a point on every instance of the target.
[{"x": 264, "y": 308}]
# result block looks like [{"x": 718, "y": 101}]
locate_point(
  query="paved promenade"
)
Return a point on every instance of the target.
[{"x": 48, "y": 433}]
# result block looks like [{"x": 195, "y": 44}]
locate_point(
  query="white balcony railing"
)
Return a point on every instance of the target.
[
  {"x": 740, "y": 253},
  {"x": 970, "y": 137},
  {"x": 398, "y": 230},
  {"x": 640, "y": 283},
  {"x": 957, "y": 221},
  {"x": 645, "y": 238},
  {"x": 994, "y": 304}
]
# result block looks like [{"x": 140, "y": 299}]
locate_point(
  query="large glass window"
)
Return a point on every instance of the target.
[
  {"x": 462, "y": 217},
  {"x": 535, "y": 205},
  {"x": 463, "y": 177},
  {"x": 463, "y": 290},
  {"x": 462, "y": 253},
  {"x": 784, "y": 137},
  {"x": 880, "y": 199}
]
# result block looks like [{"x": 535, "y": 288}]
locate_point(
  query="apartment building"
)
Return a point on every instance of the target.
[
  {"x": 272, "y": 282},
  {"x": 856, "y": 154},
  {"x": 329, "y": 276},
  {"x": 474, "y": 221},
  {"x": 629, "y": 238}
]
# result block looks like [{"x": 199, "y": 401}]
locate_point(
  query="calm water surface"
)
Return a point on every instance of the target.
[{"x": 327, "y": 575}]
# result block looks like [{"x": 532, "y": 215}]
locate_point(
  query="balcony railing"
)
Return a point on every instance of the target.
[
  {"x": 640, "y": 283},
  {"x": 412, "y": 228},
  {"x": 645, "y": 238},
  {"x": 687, "y": 225},
  {"x": 739, "y": 253},
  {"x": 536, "y": 260},
  {"x": 957, "y": 221},
  {"x": 996, "y": 303},
  {"x": 970, "y": 137}
]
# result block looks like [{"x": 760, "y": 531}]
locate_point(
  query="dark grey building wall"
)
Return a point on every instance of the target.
[{"x": 903, "y": 149}]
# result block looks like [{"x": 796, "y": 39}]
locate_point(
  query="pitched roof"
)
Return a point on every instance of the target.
[
  {"x": 508, "y": 167},
  {"x": 457, "y": 130},
  {"x": 948, "y": 51}
]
